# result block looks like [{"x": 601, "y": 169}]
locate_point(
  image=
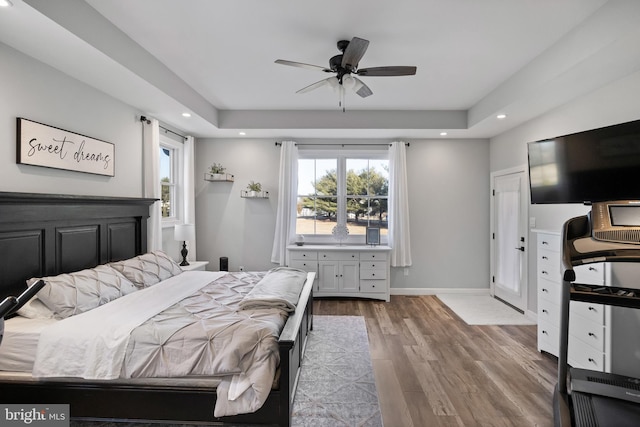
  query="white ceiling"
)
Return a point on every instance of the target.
[{"x": 215, "y": 59}]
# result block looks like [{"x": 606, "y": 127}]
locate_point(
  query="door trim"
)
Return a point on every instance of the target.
[{"x": 525, "y": 263}]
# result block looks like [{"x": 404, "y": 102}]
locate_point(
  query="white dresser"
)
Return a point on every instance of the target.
[
  {"x": 589, "y": 324},
  {"x": 349, "y": 271}
]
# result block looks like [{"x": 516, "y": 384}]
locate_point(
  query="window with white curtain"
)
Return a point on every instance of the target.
[
  {"x": 171, "y": 161},
  {"x": 342, "y": 187}
]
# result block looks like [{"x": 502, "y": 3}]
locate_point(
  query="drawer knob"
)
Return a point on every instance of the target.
[
  {"x": 545, "y": 332},
  {"x": 592, "y": 308},
  {"x": 591, "y": 334},
  {"x": 544, "y": 272},
  {"x": 544, "y": 257},
  {"x": 593, "y": 269},
  {"x": 373, "y": 274},
  {"x": 592, "y": 361},
  {"x": 545, "y": 290},
  {"x": 544, "y": 310},
  {"x": 544, "y": 242}
]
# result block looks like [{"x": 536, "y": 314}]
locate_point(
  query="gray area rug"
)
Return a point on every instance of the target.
[{"x": 336, "y": 387}]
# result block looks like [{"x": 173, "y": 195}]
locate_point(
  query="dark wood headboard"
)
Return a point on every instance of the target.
[{"x": 48, "y": 234}]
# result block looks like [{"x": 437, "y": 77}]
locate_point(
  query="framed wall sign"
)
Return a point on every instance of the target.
[
  {"x": 373, "y": 236},
  {"x": 48, "y": 146}
]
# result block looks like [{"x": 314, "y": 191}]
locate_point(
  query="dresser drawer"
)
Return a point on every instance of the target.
[
  {"x": 306, "y": 265},
  {"x": 592, "y": 274},
  {"x": 550, "y": 242},
  {"x": 373, "y": 265},
  {"x": 303, "y": 255},
  {"x": 373, "y": 274},
  {"x": 548, "y": 338},
  {"x": 373, "y": 285},
  {"x": 550, "y": 291},
  {"x": 590, "y": 311},
  {"x": 373, "y": 256},
  {"x": 548, "y": 312},
  {"x": 588, "y": 332},
  {"x": 337, "y": 256},
  {"x": 581, "y": 355}
]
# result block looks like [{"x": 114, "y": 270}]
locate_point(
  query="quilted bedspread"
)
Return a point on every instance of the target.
[{"x": 207, "y": 334}]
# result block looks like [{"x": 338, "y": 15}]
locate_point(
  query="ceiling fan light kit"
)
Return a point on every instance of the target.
[{"x": 345, "y": 66}]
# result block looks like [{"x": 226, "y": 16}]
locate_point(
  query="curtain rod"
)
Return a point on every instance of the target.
[
  {"x": 144, "y": 119},
  {"x": 343, "y": 144}
]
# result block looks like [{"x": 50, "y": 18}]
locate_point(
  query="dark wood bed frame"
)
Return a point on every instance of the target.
[{"x": 45, "y": 235}]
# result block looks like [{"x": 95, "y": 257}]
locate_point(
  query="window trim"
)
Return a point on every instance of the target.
[
  {"x": 341, "y": 217},
  {"x": 177, "y": 166}
]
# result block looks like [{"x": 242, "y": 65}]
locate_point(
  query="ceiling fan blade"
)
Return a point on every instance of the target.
[
  {"x": 316, "y": 85},
  {"x": 354, "y": 52},
  {"x": 302, "y": 65},
  {"x": 387, "y": 71},
  {"x": 362, "y": 89}
]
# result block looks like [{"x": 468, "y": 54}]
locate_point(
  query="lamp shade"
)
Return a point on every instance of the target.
[{"x": 185, "y": 232}]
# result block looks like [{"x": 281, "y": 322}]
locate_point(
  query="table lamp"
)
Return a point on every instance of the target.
[{"x": 184, "y": 232}]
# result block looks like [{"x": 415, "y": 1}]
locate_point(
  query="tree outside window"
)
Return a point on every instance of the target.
[{"x": 351, "y": 190}]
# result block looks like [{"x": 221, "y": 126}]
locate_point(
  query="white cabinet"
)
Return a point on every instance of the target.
[
  {"x": 339, "y": 272},
  {"x": 589, "y": 324},
  {"x": 349, "y": 271}
]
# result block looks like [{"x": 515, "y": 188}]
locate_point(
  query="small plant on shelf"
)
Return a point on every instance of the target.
[
  {"x": 217, "y": 168},
  {"x": 254, "y": 186}
]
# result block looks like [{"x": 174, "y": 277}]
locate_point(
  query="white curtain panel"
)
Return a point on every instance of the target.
[
  {"x": 151, "y": 161},
  {"x": 189, "y": 214},
  {"x": 399, "y": 206},
  {"x": 287, "y": 195}
]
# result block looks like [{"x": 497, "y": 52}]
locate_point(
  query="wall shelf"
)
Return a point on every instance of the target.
[
  {"x": 218, "y": 177},
  {"x": 246, "y": 194}
]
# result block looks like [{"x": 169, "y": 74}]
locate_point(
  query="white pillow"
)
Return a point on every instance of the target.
[
  {"x": 75, "y": 293},
  {"x": 35, "y": 309},
  {"x": 148, "y": 269}
]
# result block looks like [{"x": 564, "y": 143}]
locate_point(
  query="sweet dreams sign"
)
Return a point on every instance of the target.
[{"x": 42, "y": 145}]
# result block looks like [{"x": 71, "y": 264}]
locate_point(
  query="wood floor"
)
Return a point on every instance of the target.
[{"x": 432, "y": 369}]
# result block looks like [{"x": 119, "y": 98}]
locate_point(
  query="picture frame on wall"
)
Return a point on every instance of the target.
[
  {"x": 373, "y": 236},
  {"x": 52, "y": 147}
]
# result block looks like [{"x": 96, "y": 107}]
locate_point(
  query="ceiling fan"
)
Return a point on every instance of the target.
[{"x": 345, "y": 66}]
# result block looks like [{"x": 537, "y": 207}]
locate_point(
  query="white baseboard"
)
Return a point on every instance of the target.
[{"x": 434, "y": 291}]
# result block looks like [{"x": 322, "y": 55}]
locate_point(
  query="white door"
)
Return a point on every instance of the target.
[{"x": 509, "y": 256}]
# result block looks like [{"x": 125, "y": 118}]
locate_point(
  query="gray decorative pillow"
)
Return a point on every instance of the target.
[
  {"x": 75, "y": 293},
  {"x": 148, "y": 269}
]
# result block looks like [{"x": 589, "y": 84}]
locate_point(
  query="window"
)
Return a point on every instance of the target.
[
  {"x": 349, "y": 188},
  {"x": 170, "y": 179}
]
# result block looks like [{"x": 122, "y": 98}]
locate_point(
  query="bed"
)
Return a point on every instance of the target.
[{"x": 48, "y": 235}]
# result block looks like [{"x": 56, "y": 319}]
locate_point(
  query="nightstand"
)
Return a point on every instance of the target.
[{"x": 195, "y": 266}]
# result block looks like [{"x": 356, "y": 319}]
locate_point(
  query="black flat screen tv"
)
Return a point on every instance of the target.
[{"x": 586, "y": 167}]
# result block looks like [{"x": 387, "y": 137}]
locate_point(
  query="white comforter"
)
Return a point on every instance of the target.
[
  {"x": 92, "y": 345},
  {"x": 170, "y": 335}
]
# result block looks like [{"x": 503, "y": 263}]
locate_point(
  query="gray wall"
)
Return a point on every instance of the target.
[
  {"x": 448, "y": 180},
  {"x": 615, "y": 103},
  {"x": 449, "y": 209},
  {"x": 38, "y": 92}
]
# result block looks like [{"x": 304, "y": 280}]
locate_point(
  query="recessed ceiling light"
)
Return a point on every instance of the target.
[
  {"x": 5, "y": 3},
  {"x": 242, "y": 133},
  {"x": 443, "y": 134},
  {"x": 501, "y": 116},
  {"x": 186, "y": 114}
]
